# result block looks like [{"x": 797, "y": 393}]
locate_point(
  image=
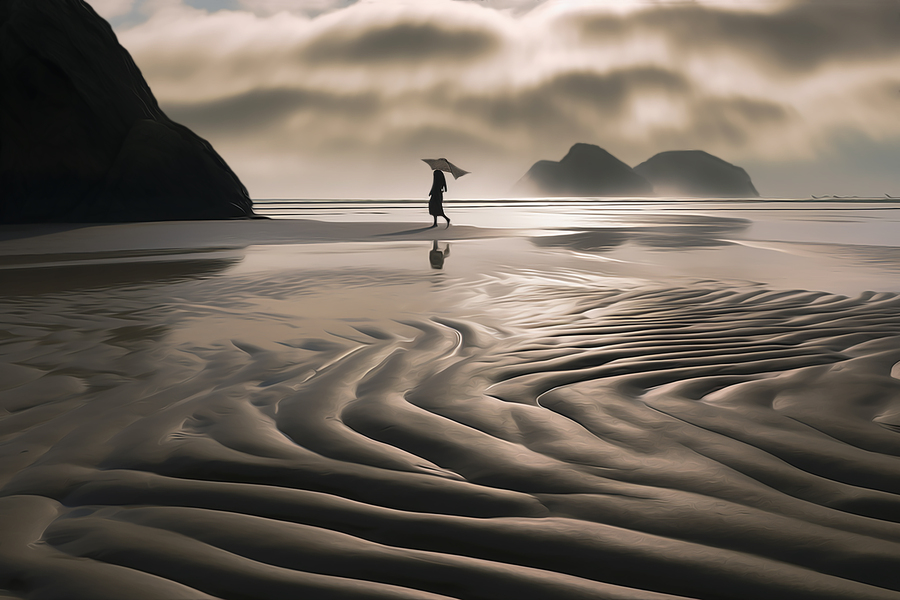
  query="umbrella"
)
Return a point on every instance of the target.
[{"x": 442, "y": 164}]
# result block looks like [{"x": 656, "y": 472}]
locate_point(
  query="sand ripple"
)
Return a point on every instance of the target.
[{"x": 560, "y": 440}]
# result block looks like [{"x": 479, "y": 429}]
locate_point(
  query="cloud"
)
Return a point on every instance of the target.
[
  {"x": 319, "y": 7},
  {"x": 290, "y": 91},
  {"x": 306, "y": 7},
  {"x": 554, "y": 110},
  {"x": 802, "y": 37},
  {"x": 110, "y": 9},
  {"x": 256, "y": 111},
  {"x": 611, "y": 89},
  {"x": 551, "y": 114},
  {"x": 400, "y": 43},
  {"x": 734, "y": 121}
]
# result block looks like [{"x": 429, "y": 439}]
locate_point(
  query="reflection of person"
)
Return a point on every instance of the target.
[
  {"x": 436, "y": 203},
  {"x": 436, "y": 256}
]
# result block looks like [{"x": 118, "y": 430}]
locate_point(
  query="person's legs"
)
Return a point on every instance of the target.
[
  {"x": 435, "y": 221},
  {"x": 446, "y": 217}
]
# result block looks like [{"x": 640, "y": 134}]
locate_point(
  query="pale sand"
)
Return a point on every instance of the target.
[{"x": 296, "y": 409}]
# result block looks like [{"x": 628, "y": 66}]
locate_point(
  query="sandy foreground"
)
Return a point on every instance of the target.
[{"x": 304, "y": 409}]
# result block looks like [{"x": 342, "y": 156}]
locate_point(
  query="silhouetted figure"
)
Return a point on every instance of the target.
[
  {"x": 436, "y": 256},
  {"x": 436, "y": 203}
]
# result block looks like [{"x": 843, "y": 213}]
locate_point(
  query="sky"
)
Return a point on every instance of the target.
[{"x": 342, "y": 98}]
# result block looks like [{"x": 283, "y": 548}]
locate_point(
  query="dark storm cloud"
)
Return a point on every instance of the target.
[
  {"x": 402, "y": 43},
  {"x": 560, "y": 102},
  {"x": 801, "y": 37},
  {"x": 611, "y": 90},
  {"x": 260, "y": 109}
]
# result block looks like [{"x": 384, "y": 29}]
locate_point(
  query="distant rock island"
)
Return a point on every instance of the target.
[
  {"x": 696, "y": 174},
  {"x": 588, "y": 170},
  {"x": 84, "y": 140}
]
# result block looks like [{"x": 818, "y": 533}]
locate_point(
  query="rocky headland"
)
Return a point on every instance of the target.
[
  {"x": 696, "y": 174},
  {"x": 588, "y": 170},
  {"x": 84, "y": 139}
]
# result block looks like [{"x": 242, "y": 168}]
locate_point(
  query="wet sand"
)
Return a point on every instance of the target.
[{"x": 283, "y": 409}]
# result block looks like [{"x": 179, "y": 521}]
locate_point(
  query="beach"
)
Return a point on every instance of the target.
[{"x": 558, "y": 399}]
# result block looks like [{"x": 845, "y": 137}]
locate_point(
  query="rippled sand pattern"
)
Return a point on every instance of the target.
[{"x": 553, "y": 439}]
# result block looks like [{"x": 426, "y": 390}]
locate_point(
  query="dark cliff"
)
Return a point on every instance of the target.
[
  {"x": 587, "y": 170},
  {"x": 696, "y": 173},
  {"x": 83, "y": 138}
]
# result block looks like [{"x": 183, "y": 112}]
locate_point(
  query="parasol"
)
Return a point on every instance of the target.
[{"x": 442, "y": 164}]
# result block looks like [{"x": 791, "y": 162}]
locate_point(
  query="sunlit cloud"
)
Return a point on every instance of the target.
[{"x": 291, "y": 91}]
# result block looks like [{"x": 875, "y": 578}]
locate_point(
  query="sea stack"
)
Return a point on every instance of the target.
[
  {"x": 587, "y": 170},
  {"x": 697, "y": 174},
  {"x": 84, "y": 140}
]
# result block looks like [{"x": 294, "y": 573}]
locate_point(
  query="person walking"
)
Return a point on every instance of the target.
[{"x": 436, "y": 201}]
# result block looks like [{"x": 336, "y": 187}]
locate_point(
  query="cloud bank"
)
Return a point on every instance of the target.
[{"x": 330, "y": 98}]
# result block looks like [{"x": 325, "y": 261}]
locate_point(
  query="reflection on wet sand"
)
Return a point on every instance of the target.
[{"x": 437, "y": 255}]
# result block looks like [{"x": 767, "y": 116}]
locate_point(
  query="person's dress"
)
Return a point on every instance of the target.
[{"x": 436, "y": 203}]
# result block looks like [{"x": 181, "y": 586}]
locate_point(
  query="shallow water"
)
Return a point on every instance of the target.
[
  {"x": 845, "y": 246},
  {"x": 695, "y": 401}
]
